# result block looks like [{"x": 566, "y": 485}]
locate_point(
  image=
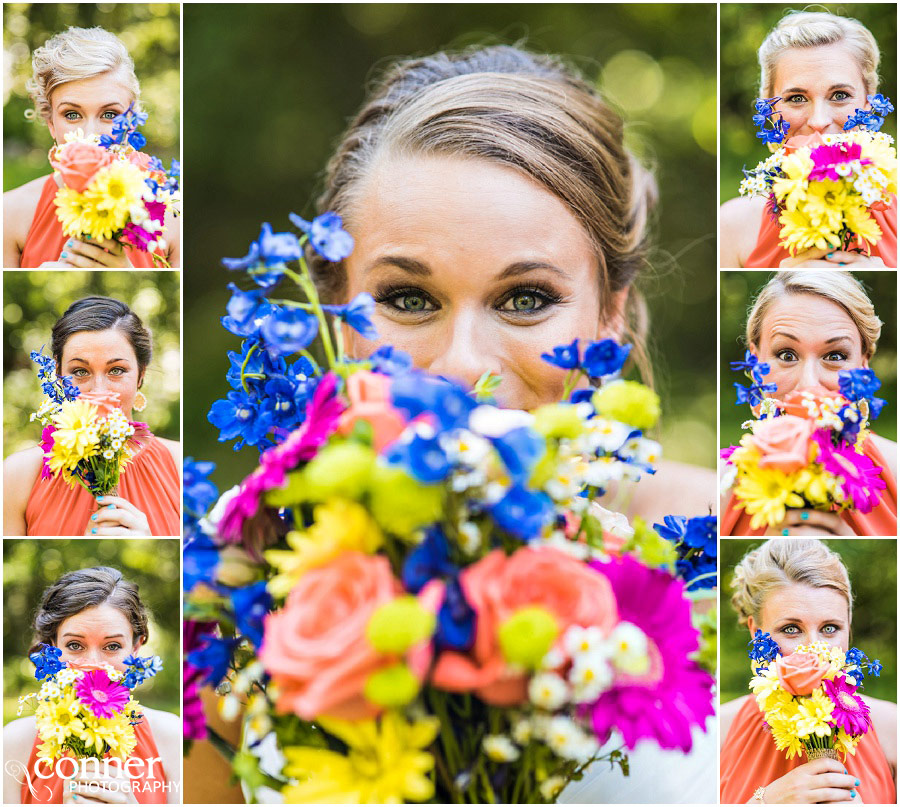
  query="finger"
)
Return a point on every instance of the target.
[
  {"x": 107, "y": 531},
  {"x": 802, "y": 257},
  {"x": 113, "y": 247},
  {"x": 113, "y": 518},
  {"x": 830, "y": 795},
  {"x": 837, "y": 780},
  {"x": 119, "y": 502},
  {"x": 824, "y": 765},
  {"x": 76, "y": 249}
]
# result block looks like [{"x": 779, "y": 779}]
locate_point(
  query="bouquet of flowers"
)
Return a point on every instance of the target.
[
  {"x": 112, "y": 190},
  {"x": 822, "y": 188},
  {"x": 809, "y": 698},
  {"x": 415, "y": 597},
  {"x": 806, "y": 451},
  {"x": 86, "y": 436},
  {"x": 86, "y": 711}
]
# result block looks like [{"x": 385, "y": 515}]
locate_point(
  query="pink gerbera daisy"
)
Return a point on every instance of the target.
[
  {"x": 850, "y": 711},
  {"x": 675, "y": 695},
  {"x": 860, "y": 477},
  {"x": 103, "y": 697}
]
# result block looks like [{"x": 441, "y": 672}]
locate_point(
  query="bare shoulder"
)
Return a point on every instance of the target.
[
  {"x": 739, "y": 221},
  {"x": 884, "y": 718},
  {"x": 727, "y": 713},
  {"x": 19, "y": 205},
  {"x": 888, "y": 448},
  {"x": 675, "y": 489},
  {"x": 174, "y": 448},
  {"x": 20, "y": 470},
  {"x": 18, "y": 737}
]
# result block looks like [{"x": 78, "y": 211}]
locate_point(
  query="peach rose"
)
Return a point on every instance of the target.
[
  {"x": 803, "y": 141},
  {"x": 370, "y": 401},
  {"x": 497, "y": 587},
  {"x": 783, "y": 441},
  {"x": 77, "y": 163},
  {"x": 796, "y": 402},
  {"x": 315, "y": 648},
  {"x": 140, "y": 159},
  {"x": 104, "y": 401},
  {"x": 800, "y": 673}
]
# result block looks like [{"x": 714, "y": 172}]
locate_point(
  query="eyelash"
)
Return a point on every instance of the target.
[
  {"x": 80, "y": 372},
  {"x": 543, "y": 294},
  {"x": 792, "y": 99},
  {"x": 109, "y": 114},
  {"x": 784, "y": 630},
  {"x": 842, "y": 356},
  {"x": 74, "y": 647}
]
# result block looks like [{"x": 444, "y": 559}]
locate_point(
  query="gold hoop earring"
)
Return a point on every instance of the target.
[{"x": 140, "y": 402}]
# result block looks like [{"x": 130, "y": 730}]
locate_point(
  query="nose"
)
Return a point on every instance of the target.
[
  {"x": 809, "y": 376},
  {"x": 820, "y": 118},
  {"x": 466, "y": 353}
]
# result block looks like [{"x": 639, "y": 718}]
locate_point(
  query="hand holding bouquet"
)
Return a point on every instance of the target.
[
  {"x": 86, "y": 711},
  {"x": 86, "y": 436},
  {"x": 415, "y": 595},
  {"x": 806, "y": 451},
  {"x": 111, "y": 190},
  {"x": 821, "y": 188},
  {"x": 810, "y": 698}
]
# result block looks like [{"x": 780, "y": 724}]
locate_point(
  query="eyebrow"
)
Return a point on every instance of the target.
[
  {"x": 81, "y": 636},
  {"x": 76, "y": 105},
  {"x": 827, "y": 341},
  {"x": 84, "y": 361},
  {"x": 832, "y": 87},
  {"x": 414, "y": 267}
]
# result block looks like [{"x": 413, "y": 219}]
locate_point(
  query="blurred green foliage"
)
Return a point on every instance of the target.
[
  {"x": 872, "y": 566},
  {"x": 150, "y": 31},
  {"x": 29, "y": 566},
  {"x": 743, "y": 27},
  {"x": 33, "y": 301},
  {"x": 272, "y": 87},
  {"x": 738, "y": 291}
]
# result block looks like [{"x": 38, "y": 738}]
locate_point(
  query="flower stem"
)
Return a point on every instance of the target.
[{"x": 244, "y": 367}]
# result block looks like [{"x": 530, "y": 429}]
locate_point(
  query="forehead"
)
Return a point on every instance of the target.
[
  {"x": 805, "y": 602},
  {"x": 463, "y": 208},
  {"x": 97, "y": 621},
  {"x": 821, "y": 66},
  {"x": 809, "y": 317},
  {"x": 99, "y": 345},
  {"x": 107, "y": 88}
]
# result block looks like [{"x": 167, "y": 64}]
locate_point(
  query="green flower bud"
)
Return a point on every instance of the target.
[
  {"x": 558, "y": 420},
  {"x": 527, "y": 636},
  {"x": 401, "y": 505},
  {"x": 392, "y": 687},
  {"x": 629, "y": 402},
  {"x": 398, "y": 625}
]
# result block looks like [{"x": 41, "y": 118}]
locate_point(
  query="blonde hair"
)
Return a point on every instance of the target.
[
  {"x": 519, "y": 109},
  {"x": 839, "y": 287},
  {"x": 76, "y": 54},
  {"x": 809, "y": 29},
  {"x": 779, "y": 562}
]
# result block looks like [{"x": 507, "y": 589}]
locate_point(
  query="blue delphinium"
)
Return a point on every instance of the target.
[
  {"x": 881, "y": 105},
  {"x": 522, "y": 512},
  {"x": 860, "y": 382},
  {"x": 270, "y": 250},
  {"x": 520, "y": 449},
  {"x": 288, "y": 330},
  {"x": 56, "y": 388},
  {"x": 604, "y": 358},
  {"x": 199, "y": 494},
  {"x": 214, "y": 657},
  {"x": 357, "y": 314},
  {"x": 138, "y": 669},
  {"x": 762, "y": 647},
  {"x": 423, "y": 457},
  {"x": 387, "y": 360},
  {"x": 46, "y": 662},
  {"x": 565, "y": 356},
  {"x": 251, "y": 604},
  {"x": 875, "y": 668},
  {"x": 753, "y": 394},
  {"x": 870, "y": 119},
  {"x": 695, "y": 541},
  {"x": 766, "y": 114},
  {"x": 327, "y": 235},
  {"x": 246, "y": 311},
  {"x": 414, "y": 394},
  {"x": 238, "y": 415},
  {"x": 124, "y": 128},
  {"x": 753, "y": 366}
]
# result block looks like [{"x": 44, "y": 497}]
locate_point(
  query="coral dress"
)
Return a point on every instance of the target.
[
  {"x": 750, "y": 760},
  {"x": 150, "y": 482},
  {"x": 768, "y": 253},
  {"x": 45, "y": 238},
  {"x": 880, "y": 521},
  {"x": 149, "y": 787}
]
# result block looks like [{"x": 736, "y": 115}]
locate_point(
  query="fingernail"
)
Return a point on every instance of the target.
[
  {"x": 842, "y": 263},
  {"x": 99, "y": 498},
  {"x": 785, "y": 532},
  {"x": 804, "y": 516},
  {"x": 110, "y": 507},
  {"x": 64, "y": 255},
  {"x": 856, "y": 783},
  {"x": 69, "y": 243},
  {"x": 852, "y": 794},
  {"x": 94, "y": 517},
  {"x": 830, "y": 254},
  {"x": 94, "y": 531}
]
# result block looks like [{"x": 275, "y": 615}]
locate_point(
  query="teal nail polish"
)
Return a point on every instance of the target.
[
  {"x": 856, "y": 783},
  {"x": 804, "y": 516},
  {"x": 852, "y": 794},
  {"x": 64, "y": 255},
  {"x": 830, "y": 254},
  {"x": 842, "y": 263},
  {"x": 99, "y": 498},
  {"x": 94, "y": 531},
  {"x": 94, "y": 517},
  {"x": 110, "y": 507},
  {"x": 785, "y": 532}
]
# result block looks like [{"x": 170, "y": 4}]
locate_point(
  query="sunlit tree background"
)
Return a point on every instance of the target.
[
  {"x": 744, "y": 27},
  {"x": 874, "y": 629},
  {"x": 271, "y": 87},
  {"x": 148, "y": 30},
  {"x": 33, "y": 301},
  {"x": 738, "y": 291},
  {"x": 29, "y": 566}
]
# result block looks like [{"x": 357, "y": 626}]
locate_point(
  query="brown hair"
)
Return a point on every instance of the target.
[
  {"x": 101, "y": 314},
  {"x": 522, "y": 110},
  {"x": 781, "y": 561},
  {"x": 87, "y": 588}
]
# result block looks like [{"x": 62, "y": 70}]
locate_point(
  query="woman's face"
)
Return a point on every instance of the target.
[
  {"x": 819, "y": 87},
  {"x": 797, "y": 614},
  {"x": 103, "y": 361},
  {"x": 474, "y": 267},
  {"x": 98, "y": 635},
  {"x": 807, "y": 340},
  {"x": 89, "y": 104}
]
